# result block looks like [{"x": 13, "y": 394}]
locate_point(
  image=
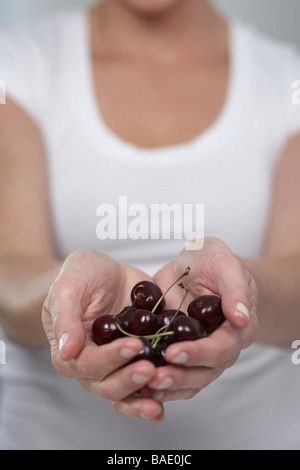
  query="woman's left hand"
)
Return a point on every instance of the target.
[{"x": 195, "y": 364}]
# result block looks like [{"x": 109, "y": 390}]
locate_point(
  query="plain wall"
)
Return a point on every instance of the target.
[{"x": 278, "y": 18}]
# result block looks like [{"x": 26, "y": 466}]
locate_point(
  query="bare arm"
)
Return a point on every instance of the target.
[
  {"x": 27, "y": 262},
  {"x": 277, "y": 274},
  {"x": 268, "y": 286}
]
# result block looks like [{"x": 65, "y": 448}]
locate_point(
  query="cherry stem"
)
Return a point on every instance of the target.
[
  {"x": 185, "y": 287},
  {"x": 122, "y": 314},
  {"x": 159, "y": 335},
  {"x": 186, "y": 272},
  {"x": 167, "y": 333}
]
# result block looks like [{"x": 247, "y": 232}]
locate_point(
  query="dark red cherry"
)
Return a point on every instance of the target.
[
  {"x": 186, "y": 329},
  {"x": 143, "y": 322},
  {"x": 149, "y": 354},
  {"x": 146, "y": 294},
  {"x": 105, "y": 330},
  {"x": 207, "y": 309},
  {"x": 160, "y": 349},
  {"x": 166, "y": 316},
  {"x": 124, "y": 316}
]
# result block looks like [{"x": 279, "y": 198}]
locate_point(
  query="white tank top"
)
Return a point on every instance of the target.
[{"x": 229, "y": 168}]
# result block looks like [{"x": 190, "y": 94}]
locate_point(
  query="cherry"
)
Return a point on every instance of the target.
[
  {"x": 161, "y": 349},
  {"x": 166, "y": 316},
  {"x": 105, "y": 330},
  {"x": 186, "y": 329},
  {"x": 158, "y": 328},
  {"x": 149, "y": 354},
  {"x": 207, "y": 309},
  {"x": 143, "y": 322},
  {"x": 146, "y": 294},
  {"x": 125, "y": 315}
]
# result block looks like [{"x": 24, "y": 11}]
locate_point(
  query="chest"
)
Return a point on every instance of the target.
[{"x": 155, "y": 106}]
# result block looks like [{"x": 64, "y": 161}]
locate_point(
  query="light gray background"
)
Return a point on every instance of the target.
[{"x": 278, "y": 18}]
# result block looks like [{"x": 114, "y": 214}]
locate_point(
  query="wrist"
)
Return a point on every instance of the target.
[
  {"x": 278, "y": 284},
  {"x": 26, "y": 282}
]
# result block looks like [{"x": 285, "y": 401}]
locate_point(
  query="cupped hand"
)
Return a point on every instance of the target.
[
  {"x": 214, "y": 269},
  {"x": 91, "y": 284}
]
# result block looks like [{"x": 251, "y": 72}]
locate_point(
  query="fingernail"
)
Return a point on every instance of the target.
[
  {"x": 180, "y": 359},
  {"x": 140, "y": 379},
  {"x": 195, "y": 245},
  {"x": 167, "y": 383},
  {"x": 63, "y": 339},
  {"x": 148, "y": 417},
  {"x": 142, "y": 415},
  {"x": 127, "y": 353},
  {"x": 158, "y": 396},
  {"x": 241, "y": 309}
]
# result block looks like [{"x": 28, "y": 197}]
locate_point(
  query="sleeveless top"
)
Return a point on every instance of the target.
[{"x": 229, "y": 169}]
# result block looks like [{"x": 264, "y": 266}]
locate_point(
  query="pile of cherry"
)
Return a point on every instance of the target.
[{"x": 147, "y": 319}]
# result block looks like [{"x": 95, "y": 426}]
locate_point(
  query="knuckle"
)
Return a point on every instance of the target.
[
  {"x": 79, "y": 255},
  {"x": 85, "y": 384},
  {"x": 253, "y": 333},
  {"x": 116, "y": 406},
  {"x": 49, "y": 300},
  {"x": 232, "y": 361},
  {"x": 91, "y": 369},
  {"x": 191, "y": 394},
  {"x": 221, "y": 356},
  {"x": 61, "y": 367},
  {"x": 58, "y": 290},
  {"x": 101, "y": 391},
  {"x": 94, "y": 387},
  {"x": 253, "y": 286}
]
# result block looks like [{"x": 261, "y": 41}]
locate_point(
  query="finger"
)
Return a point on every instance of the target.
[
  {"x": 238, "y": 293},
  {"x": 172, "y": 378},
  {"x": 96, "y": 362},
  {"x": 215, "y": 268},
  {"x": 163, "y": 396},
  {"x": 62, "y": 316},
  {"x": 121, "y": 383},
  {"x": 136, "y": 407},
  {"x": 219, "y": 348}
]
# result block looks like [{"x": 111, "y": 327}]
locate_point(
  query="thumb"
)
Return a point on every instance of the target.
[
  {"x": 62, "y": 321},
  {"x": 215, "y": 270}
]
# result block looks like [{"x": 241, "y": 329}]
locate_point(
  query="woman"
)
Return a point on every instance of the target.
[{"x": 161, "y": 101}]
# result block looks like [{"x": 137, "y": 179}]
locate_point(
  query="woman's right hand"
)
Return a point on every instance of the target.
[{"x": 91, "y": 284}]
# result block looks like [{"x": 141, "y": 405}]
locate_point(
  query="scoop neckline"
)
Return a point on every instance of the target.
[{"x": 222, "y": 129}]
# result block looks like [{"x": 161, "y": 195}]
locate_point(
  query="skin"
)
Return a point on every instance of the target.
[{"x": 153, "y": 40}]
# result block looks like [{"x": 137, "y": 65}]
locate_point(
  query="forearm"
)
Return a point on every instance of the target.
[
  {"x": 25, "y": 283},
  {"x": 278, "y": 310}
]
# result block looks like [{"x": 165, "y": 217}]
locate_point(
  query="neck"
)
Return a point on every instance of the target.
[{"x": 185, "y": 29}]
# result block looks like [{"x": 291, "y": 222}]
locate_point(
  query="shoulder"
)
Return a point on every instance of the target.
[
  {"x": 30, "y": 57},
  {"x": 273, "y": 69},
  {"x": 270, "y": 51},
  {"x": 274, "y": 63},
  {"x": 42, "y": 34}
]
